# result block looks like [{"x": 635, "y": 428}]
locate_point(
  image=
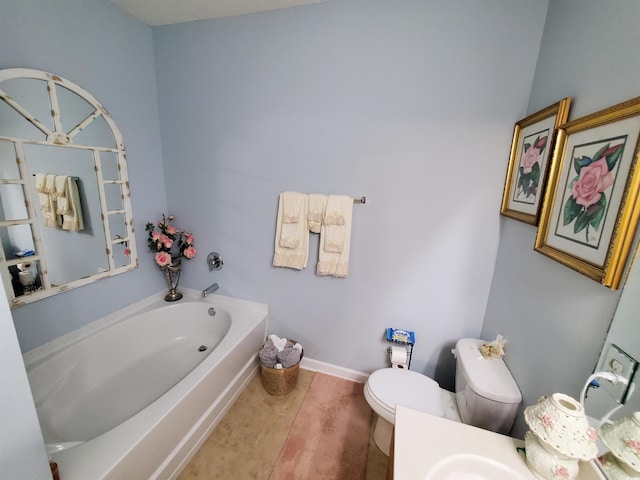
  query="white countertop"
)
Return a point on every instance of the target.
[{"x": 422, "y": 440}]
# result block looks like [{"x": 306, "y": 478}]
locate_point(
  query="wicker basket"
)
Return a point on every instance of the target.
[{"x": 280, "y": 382}]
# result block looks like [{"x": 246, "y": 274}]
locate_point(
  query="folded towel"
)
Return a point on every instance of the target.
[
  {"x": 62, "y": 205},
  {"x": 59, "y": 182},
  {"x": 49, "y": 183},
  {"x": 45, "y": 186},
  {"x": 292, "y": 238},
  {"x": 335, "y": 237},
  {"x": 40, "y": 180},
  {"x": 315, "y": 214},
  {"x": 72, "y": 216},
  {"x": 292, "y": 203}
]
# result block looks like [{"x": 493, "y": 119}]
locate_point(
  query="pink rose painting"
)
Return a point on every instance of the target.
[
  {"x": 586, "y": 204},
  {"x": 530, "y": 167}
]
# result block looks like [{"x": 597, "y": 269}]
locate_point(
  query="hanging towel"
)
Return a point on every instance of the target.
[
  {"x": 72, "y": 215},
  {"x": 292, "y": 234},
  {"x": 59, "y": 194},
  {"x": 291, "y": 217},
  {"x": 45, "y": 185},
  {"x": 317, "y": 205},
  {"x": 335, "y": 237}
]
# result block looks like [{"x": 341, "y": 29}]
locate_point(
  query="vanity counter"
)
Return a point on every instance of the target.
[{"x": 424, "y": 443}]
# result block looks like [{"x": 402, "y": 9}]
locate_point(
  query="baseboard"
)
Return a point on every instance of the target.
[{"x": 335, "y": 370}]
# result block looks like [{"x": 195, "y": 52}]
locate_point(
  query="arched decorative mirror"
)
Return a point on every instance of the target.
[{"x": 65, "y": 205}]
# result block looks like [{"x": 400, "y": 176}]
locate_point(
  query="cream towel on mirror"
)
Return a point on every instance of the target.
[
  {"x": 335, "y": 237},
  {"x": 292, "y": 238},
  {"x": 317, "y": 203},
  {"x": 45, "y": 185},
  {"x": 60, "y": 195}
]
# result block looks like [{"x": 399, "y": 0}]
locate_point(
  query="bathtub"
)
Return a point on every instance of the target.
[{"x": 135, "y": 394}]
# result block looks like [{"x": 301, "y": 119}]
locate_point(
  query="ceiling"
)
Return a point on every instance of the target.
[{"x": 164, "y": 12}]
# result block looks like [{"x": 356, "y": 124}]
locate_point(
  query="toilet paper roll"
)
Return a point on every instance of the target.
[
  {"x": 398, "y": 357},
  {"x": 26, "y": 278},
  {"x": 23, "y": 267}
]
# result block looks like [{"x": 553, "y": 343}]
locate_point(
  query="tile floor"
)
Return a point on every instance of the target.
[{"x": 247, "y": 442}]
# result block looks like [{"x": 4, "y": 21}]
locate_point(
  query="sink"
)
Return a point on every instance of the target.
[
  {"x": 427, "y": 447},
  {"x": 471, "y": 467}
]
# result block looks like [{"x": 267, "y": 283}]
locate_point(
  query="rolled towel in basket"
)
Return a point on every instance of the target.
[
  {"x": 289, "y": 357},
  {"x": 268, "y": 355}
]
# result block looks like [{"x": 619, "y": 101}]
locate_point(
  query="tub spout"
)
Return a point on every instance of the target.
[{"x": 210, "y": 289}]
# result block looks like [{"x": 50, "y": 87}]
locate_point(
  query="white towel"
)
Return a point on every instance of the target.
[
  {"x": 45, "y": 185},
  {"x": 335, "y": 237},
  {"x": 62, "y": 206},
  {"x": 292, "y": 237},
  {"x": 291, "y": 217},
  {"x": 72, "y": 218},
  {"x": 315, "y": 215},
  {"x": 49, "y": 183}
]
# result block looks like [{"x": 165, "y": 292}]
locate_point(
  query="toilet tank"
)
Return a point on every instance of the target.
[{"x": 486, "y": 394}]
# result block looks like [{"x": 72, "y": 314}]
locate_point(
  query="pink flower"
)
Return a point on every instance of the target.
[
  {"x": 594, "y": 179},
  {"x": 634, "y": 444},
  {"x": 546, "y": 420},
  {"x": 529, "y": 159},
  {"x": 189, "y": 252},
  {"x": 166, "y": 241},
  {"x": 127, "y": 252},
  {"x": 155, "y": 235},
  {"x": 163, "y": 259},
  {"x": 171, "y": 230},
  {"x": 561, "y": 472},
  {"x": 188, "y": 238},
  {"x": 592, "y": 435}
]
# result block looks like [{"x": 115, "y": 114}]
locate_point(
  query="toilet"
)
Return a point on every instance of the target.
[{"x": 486, "y": 394}]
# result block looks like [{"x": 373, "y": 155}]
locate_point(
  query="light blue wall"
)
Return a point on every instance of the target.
[
  {"x": 96, "y": 45},
  {"x": 555, "y": 319},
  {"x": 410, "y": 103}
]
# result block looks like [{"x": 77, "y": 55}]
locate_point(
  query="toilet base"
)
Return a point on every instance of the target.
[{"x": 382, "y": 435}]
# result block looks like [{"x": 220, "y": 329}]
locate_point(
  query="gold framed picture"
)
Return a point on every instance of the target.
[
  {"x": 531, "y": 151},
  {"x": 591, "y": 208}
]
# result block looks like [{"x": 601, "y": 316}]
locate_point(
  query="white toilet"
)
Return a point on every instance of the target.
[{"x": 486, "y": 394}]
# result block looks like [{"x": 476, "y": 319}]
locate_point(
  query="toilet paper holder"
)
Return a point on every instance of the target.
[{"x": 402, "y": 339}]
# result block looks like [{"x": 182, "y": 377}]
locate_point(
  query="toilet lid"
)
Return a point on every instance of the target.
[{"x": 393, "y": 386}]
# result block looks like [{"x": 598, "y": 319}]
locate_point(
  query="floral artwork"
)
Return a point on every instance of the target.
[
  {"x": 530, "y": 167},
  {"x": 531, "y": 149},
  {"x": 169, "y": 243},
  {"x": 593, "y": 177},
  {"x": 592, "y": 206}
]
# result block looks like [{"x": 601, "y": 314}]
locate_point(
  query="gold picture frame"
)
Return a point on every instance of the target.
[
  {"x": 531, "y": 152},
  {"x": 591, "y": 207}
]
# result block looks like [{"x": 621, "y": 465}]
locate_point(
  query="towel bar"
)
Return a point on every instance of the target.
[
  {"x": 361, "y": 200},
  {"x": 74, "y": 178}
]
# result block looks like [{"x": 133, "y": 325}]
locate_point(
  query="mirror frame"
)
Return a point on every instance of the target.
[{"x": 60, "y": 138}]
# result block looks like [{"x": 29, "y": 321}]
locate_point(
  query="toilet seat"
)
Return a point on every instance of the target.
[{"x": 389, "y": 387}]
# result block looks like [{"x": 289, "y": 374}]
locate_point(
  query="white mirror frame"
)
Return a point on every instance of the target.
[{"x": 58, "y": 137}]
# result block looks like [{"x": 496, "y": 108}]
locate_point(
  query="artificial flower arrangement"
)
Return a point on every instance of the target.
[{"x": 169, "y": 243}]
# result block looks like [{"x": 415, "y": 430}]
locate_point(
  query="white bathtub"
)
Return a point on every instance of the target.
[{"x": 134, "y": 395}]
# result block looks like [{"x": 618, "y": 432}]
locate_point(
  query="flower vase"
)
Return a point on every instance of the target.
[{"x": 172, "y": 276}]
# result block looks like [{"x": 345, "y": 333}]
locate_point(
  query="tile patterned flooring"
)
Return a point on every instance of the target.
[{"x": 247, "y": 442}]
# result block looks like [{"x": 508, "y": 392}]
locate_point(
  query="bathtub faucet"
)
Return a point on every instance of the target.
[{"x": 210, "y": 289}]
